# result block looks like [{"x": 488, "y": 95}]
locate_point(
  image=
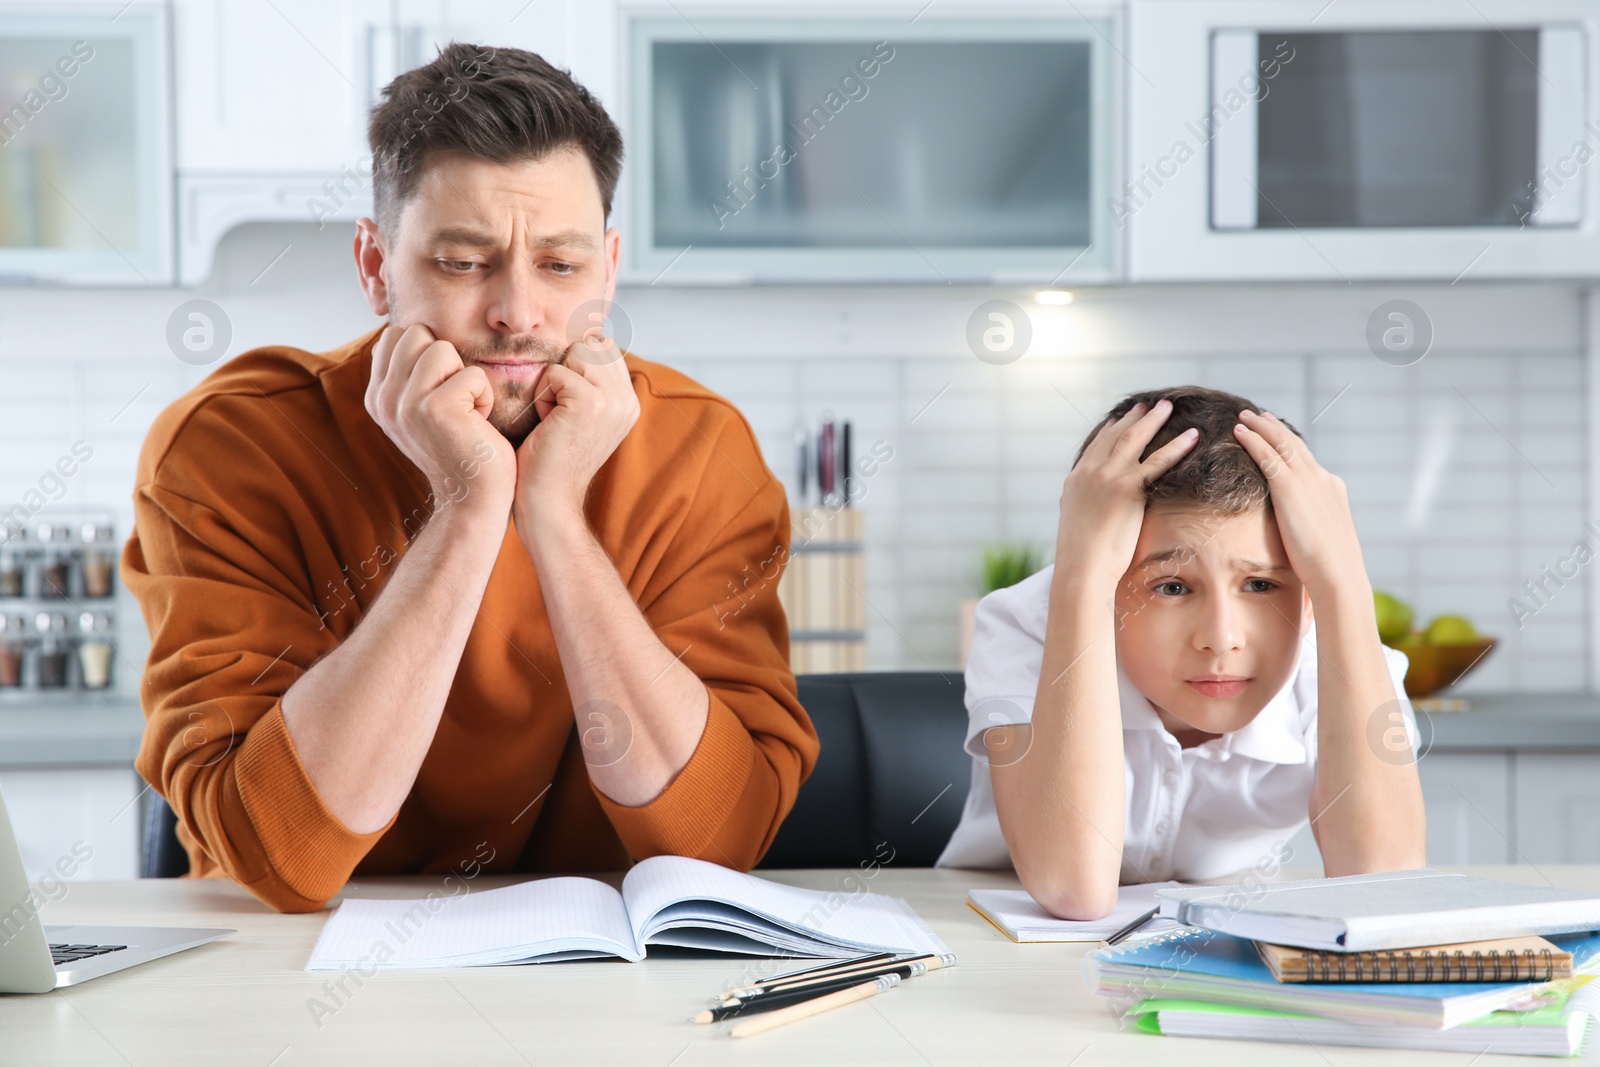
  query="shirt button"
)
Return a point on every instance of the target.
[
  {"x": 1172, "y": 779},
  {"x": 1163, "y": 826}
]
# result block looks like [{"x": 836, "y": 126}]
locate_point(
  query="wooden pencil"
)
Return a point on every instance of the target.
[{"x": 816, "y": 1006}]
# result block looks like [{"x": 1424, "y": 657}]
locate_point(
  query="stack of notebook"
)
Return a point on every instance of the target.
[{"x": 1405, "y": 959}]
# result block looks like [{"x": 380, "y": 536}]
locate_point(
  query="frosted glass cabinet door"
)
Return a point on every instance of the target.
[
  {"x": 836, "y": 150},
  {"x": 85, "y": 146}
]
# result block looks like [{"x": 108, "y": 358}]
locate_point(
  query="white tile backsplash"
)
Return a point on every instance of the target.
[{"x": 979, "y": 450}]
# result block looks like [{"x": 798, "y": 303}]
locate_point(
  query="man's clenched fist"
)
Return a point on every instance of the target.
[{"x": 435, "y": 409}]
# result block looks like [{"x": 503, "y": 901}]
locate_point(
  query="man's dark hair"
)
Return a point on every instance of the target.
[
  {"x": 1217, "y": 472},
  {"x": 503, "y": 105}
]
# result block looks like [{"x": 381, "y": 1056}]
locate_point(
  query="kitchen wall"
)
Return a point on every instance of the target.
[{"x": 1467, "y": 470}]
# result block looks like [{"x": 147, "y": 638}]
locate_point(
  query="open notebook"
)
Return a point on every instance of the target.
[
  {"x": 1023, "y": 920},
  {"x": 665, "y": 900}
]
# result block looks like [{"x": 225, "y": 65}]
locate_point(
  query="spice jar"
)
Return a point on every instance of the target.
[
  {"x": 99, "y": 559},
  {"x": 55, "y": 649},
  {"x": 13, "y": 560},
  {"x": 94, "y": 649},
  {"x": 13, "y": 641},
  {"x": 55, "y": 560}
]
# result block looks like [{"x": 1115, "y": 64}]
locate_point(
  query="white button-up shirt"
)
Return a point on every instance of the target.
[{"x": 1193, "y": 814}]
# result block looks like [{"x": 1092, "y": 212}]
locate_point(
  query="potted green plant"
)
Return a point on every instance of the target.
[{"x": 1003, "y": 566}]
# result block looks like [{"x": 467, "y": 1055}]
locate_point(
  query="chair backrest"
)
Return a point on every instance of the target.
[
  {"x": 161, "y": 854},
  {"x": 892, "y": 771},
  {"x": 891, "y": 780}
]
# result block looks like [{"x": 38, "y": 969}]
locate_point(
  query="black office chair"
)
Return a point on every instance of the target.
[
  {"x": 892, "y": 771},
  {"x": 891, "y": 780},
  {"x": 161, "y": 854}
]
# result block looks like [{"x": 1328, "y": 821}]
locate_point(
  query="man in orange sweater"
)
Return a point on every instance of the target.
[{"x": 477, "y": 590}]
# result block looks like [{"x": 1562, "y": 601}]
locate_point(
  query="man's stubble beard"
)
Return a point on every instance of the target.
[{"x": 513, "y": 412}]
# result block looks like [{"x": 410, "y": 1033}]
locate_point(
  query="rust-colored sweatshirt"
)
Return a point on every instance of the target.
[{"x": 270, "y": 509}]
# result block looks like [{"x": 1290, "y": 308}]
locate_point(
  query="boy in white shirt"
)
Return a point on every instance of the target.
[{"x": 1158, "y": 704}]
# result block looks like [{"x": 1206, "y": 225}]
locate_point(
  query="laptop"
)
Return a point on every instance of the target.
[{"x": 35, "y": 958}]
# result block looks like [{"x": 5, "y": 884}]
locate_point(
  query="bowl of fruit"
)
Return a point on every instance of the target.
[{"x": 1441, "y": 653}]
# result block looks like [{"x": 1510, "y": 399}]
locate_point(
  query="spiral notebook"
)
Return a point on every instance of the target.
[
  {"x": 1510, "y": 959},
  {"x": 1198, "y": 964}
]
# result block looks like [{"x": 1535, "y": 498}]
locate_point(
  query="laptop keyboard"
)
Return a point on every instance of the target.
[{"x": 63, "y": 954}]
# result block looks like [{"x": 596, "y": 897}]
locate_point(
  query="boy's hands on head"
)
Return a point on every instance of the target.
[
  {"x": 1103, "y": 499},
  {"x": 1310, "y": 504}
]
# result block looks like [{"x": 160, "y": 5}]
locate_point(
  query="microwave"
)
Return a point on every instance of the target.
[{"x": 1362, "y": 139}]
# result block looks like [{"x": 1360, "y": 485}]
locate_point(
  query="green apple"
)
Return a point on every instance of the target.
[
  {"x": 1451, "y": 630},
  {"x": 1394, "y": 617}
]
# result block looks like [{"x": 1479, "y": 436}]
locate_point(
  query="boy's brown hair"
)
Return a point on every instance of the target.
[
  {"x": 503, "y": 105},
  {"x": 1217, "y": 472}
]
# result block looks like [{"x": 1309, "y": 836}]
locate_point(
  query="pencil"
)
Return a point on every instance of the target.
[
  {"x": 794, "y": 994},
  {"x": 869, "y": 968},
  {"x": 808, "y": 973},
  {"x": 1124, "y": 933},
  {"x": 815, "y": 1006}
]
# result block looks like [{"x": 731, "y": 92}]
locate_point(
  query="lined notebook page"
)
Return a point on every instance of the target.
[
  {"x": 475, "y": 928},
  {"x": 846, "y": 916}
]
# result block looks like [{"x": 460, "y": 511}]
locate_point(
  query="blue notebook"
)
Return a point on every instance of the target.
[{"x": 1195, "y": 964}]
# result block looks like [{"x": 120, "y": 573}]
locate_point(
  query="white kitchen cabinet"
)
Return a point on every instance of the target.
[
  {"x": 287, "y": 86},
  {"x": 272, "y": 87},
  {"x": 273, "y": 99},
  {"x": 1468, "y": 801},
  {"x": 1557, "y": 807},
  {"x": 548, "y": 27},
  {"x": 82, "y": 820},
  {"x": 271, "y": 102},
  {"x": 1467, "y": 796}
]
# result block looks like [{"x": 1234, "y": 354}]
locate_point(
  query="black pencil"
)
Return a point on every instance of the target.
[
  {"x": 783, "y": 998},
  {"x": 905, "y": 966},
  {"x": 1123, "y": 934},
  {"x": 809, "y": 973}
]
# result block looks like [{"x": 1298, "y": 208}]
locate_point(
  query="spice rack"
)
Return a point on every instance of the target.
[{"x": 57, "y": 603}]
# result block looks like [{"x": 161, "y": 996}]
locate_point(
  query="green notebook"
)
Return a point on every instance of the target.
[{"x": 1558, "y": 1028}]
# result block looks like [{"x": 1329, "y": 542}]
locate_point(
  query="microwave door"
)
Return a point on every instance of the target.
[{"x": 1396, "y": 129}]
